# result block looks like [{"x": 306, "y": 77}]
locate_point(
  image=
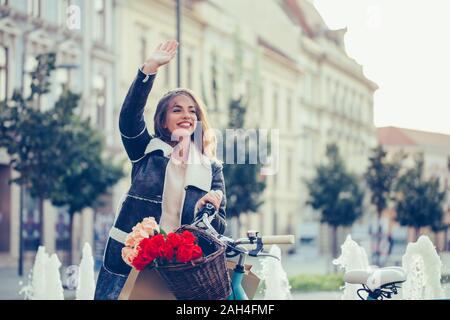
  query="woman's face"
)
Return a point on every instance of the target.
[{"x": 181, "y": 117}]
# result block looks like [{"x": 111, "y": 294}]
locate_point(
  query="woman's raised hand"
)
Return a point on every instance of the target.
[{"x": 161, "y": 56}]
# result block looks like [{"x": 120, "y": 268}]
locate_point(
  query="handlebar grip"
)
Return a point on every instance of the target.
[{"x": 284, "y": 239}]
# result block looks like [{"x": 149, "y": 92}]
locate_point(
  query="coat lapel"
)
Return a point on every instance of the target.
[{"x": 198, "y": 171}]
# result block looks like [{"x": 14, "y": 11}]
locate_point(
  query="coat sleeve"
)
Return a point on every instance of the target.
[
  {"x": 132, "y": 127},
  {"x": 218, "y": 183}
]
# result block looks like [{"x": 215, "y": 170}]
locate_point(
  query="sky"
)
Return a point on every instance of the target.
[{"x": 404, "y": 47}]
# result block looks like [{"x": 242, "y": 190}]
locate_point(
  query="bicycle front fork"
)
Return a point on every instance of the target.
[{"x": 237, "y": 291}]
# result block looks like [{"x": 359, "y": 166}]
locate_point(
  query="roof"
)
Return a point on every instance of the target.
[
  {"x": 305, "y": 14},
  {"x": 401, "y": 136}
]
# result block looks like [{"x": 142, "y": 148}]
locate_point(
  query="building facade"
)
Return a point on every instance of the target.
[
  {"x": 435, "y": 148},
  {"x": 81, "y": 33},
  {"x": 296, "y": 71},
  {"x": 293, "y": 72}
]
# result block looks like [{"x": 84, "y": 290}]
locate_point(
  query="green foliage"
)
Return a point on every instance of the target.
[
  {"x": 419, "y": 201},
  {"x": 88, "y": 174},
  {"x": 40, "y": 76},
  {"x": 380, "y": 177},
  {"x": 335, "y": 192},
  {"x": 317, "y": 282},
  {"x": 244, "y": 184},
  {"x": 57, "y": 154}
]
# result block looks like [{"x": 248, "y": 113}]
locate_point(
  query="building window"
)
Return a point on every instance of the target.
[
  {"x": 214, "y": 85},
  {"x": 62, "y": 80},
  {"x": 34, "y": 8},
  {"x": 261, "y": 102},
  {"x": 275, "y": 106},
  {"x": 290, "y": 115},
  {"x": 167, "y": 70},
  {"x": 143, "y": 48},
  {"x": 230, "y": 86},
  {"x": 99, "y": 20},
  {"x": 189, "y": 71},
  {"x": 100, "y": 100},
  {"x": 289, "y": 170},
  {"x": 30, "y": 65},
  {"x": 62, "y": 228},
  {"x": 63, "y": 12},
  {"x": 3, "y": 73},
  {"x": 31, "y": 223}
]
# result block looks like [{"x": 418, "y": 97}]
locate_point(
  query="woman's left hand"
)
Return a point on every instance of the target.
[{"x": 214, "y": 197}]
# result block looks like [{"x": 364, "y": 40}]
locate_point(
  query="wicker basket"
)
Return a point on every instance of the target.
[{"x": 207, "y": 279}]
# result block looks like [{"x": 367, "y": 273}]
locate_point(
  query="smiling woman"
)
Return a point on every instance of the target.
[
  {"x": 166, "y": 184},
  {"x": 177, "y": 114}
]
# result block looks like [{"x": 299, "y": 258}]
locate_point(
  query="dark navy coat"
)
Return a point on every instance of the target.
[{"x": 149, "y": 156}]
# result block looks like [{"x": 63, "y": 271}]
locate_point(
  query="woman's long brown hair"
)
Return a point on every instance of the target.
[{"x": 209, "y": 143}]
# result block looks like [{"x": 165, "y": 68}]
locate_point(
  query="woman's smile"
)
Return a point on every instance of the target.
[
  {"x": 181, "y": 116},
  {"x": 185, "y": 124}
]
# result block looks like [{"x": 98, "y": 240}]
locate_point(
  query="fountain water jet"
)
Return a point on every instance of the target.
[
  {"x": 275, "y": 278},
  {"x": 423, "y": 266},
  {"x": 86, "y": 280},
  {"x": 352, "y": 257}
]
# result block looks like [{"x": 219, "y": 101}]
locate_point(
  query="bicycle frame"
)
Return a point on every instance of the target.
[{"x": 233, "y": 249}]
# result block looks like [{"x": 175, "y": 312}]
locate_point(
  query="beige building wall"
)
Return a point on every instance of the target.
[{"x": 311, "y": 90}]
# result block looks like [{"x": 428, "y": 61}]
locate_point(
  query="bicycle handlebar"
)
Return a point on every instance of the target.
[{"x": 280, "y": 239}]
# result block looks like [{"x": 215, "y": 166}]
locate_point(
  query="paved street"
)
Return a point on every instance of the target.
[{"x": 307, "y": 262}]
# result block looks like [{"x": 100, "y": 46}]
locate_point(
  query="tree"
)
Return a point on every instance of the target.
[
  {"x": 419, "y": 201},
  {"x": 380, "y": 177},
  {"x": 89, "y": 173},
  {"x": 58, "y": 155},
  {"x": 244, "y": 184},
  {"x": 335, "y": 193},
  {"x": 29, "y": 134}
]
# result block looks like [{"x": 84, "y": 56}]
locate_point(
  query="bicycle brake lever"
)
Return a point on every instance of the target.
[{"x": 262, "y": 254}]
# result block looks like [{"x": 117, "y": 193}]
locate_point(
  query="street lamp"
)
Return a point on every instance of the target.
[{"x": 178, "y": 17}]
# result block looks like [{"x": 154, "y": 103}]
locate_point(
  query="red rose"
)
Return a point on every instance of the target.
[
  {"x": 139, "y": 263},
  {"x": 174, "y": 239},
  {"x": 167, "y": 252},
  {"x": 146, "y": 250},
  {"x": 154, "y": 246},
  {"x": 184, "y": 253},
  {"x": 197, "y": 252},
  {"x": 188, "y": 237}
]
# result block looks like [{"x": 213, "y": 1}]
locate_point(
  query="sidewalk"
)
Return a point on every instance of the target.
[{"x": 292, "y": 264}]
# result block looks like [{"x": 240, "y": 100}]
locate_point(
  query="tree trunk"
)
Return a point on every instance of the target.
[
  {"x": 41, "y": 221},
  {"x": 437, "y": 241},
  {"x": 238, "y": 226},
  {"x": 70, "y": 238},
  {"x": 378, "y": 234},
  {"x": 334, "y": 245},
  {"x": 417, "y": 233},
  {"x": 446, "y": 248}
]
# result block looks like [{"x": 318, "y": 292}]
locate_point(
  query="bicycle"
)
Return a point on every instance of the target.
[
  {"x": 236, "y": 248},
  {"x": 377, "y": 283}
]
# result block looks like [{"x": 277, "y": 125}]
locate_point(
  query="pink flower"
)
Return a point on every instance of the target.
[
  {"x": 149, "y": 225},
  {"x": 137, "y": 234},
  {"x": 129, "y": 254}
]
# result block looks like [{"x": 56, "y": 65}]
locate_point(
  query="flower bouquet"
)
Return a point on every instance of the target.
[
  {"x": 147, "y": 245},
  {"x": 191, "y": 262}
]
